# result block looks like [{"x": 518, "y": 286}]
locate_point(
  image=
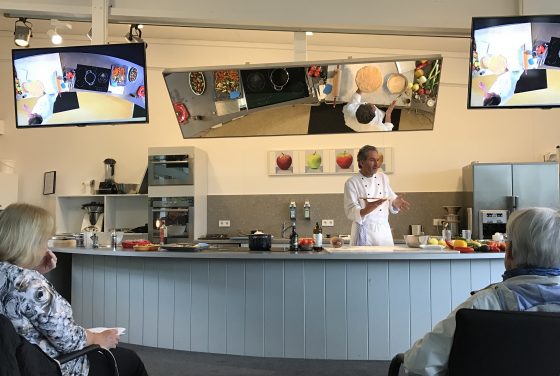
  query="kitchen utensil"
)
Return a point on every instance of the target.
[
  {"x": 127, "y": 188},
  {"x": 416, "y": 230},
  {"x": 176, "y": 230},
  {"x": 336, "y": 84},
  {"x": 396, "y": 83},
  {"x": 279, "y": 78},
  {"x": 412, "y": 241},
  {"x": 147, "y": 247},
  {"x": 181, "y": 112},
  {"x": 197, "y": 82},
  {"x": 185, "y": 247},
  {"x": 256, "y": 82},
  {"x": 260, "y": 242}
]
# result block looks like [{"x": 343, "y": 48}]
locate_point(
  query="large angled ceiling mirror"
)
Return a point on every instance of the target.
[{"x": 309, "y": 97}]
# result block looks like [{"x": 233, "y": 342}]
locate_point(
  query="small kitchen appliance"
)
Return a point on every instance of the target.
[
  {"x": 452, "y": 219},
  {"x": 93, "y": 219},
  {"x": 108, "y": 186}
]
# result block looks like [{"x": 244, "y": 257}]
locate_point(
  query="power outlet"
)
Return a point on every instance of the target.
[
  {"x": 327, "y": 222},
  {"x": 223, "y": 223}
]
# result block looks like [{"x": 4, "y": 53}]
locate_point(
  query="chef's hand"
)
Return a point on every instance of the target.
[
  {"x": 48, "y": 262},
  {"x": 400, "y": 203},
  {"x": 371, "y": 205}
]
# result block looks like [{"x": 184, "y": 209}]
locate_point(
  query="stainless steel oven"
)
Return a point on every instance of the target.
[
  {"x": 174, "y": 169},
  {"x": 178, "y": 215}
]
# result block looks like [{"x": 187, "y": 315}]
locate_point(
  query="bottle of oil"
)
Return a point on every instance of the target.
[
  {"x": 317, "y": 237},
  {"x": 294, "y": 239}
]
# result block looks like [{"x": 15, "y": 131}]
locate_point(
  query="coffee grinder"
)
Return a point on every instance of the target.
[
  {"x": 108, "y": 186},
  {"x": 93, "y": 219}
]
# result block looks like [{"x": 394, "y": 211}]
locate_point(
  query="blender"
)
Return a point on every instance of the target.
[
  {"x": 93, "y": 219},
  {"x": 108, "y": 186}
]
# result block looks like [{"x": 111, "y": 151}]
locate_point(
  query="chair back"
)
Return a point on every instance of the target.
[
  {"x": 18, "y": 357},
  {"x": 505, "y": 343}
]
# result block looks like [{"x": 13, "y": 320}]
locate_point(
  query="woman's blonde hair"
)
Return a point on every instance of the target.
[{"x": 24, "y": 232}]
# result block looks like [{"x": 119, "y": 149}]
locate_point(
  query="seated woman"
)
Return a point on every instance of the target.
[
  {"x": 38, "y": 312},
  {"x": 531, "y": 283}
]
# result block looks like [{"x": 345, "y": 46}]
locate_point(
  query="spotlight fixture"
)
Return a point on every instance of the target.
[
  {"x": 309, "y": 33},
  {"x": 56, "y": 38},
  {"x": 22, "y": 32},
  {"x": 134, "y": 35}
]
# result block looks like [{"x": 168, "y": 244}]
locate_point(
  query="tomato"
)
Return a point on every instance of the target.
[{"x": 306, "y": 241}]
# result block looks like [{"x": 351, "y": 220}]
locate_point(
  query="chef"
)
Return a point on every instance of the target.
[{"x": 368, "y": 199}]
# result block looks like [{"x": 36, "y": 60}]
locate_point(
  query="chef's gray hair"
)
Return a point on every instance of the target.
[
  {"x": 363, "y": 152},
  {"x": 535, "y": 237},
  {"x": 24, "y": 232}
]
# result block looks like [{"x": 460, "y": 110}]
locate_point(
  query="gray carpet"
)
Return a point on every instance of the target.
[{"x": 160, "y": 362}]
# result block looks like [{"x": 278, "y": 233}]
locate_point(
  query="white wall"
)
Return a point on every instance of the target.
[{"x": 424, "y": 160}]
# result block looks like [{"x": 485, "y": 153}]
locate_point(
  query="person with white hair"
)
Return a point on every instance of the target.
[{"x": 531, "y": 282}]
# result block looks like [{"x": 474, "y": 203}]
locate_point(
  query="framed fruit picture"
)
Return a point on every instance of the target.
[
  {"x": 345, "y": 160},
  {"x": 314, "y": 162},
  {"x": 283, "y": 162}
]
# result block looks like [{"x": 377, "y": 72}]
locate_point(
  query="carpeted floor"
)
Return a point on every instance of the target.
[{"x": 160, "y": 362}]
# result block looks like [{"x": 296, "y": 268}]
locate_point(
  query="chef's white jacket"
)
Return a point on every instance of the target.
[
  {"x": 377, "y": 124},
  {"x": 429, "y": 355},
  {"x": 376, "y": 222}
]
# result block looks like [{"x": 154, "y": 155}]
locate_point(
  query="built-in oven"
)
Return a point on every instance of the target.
[
  {"x": 175, "y": 169},
  {"x": 178, "y": 215}
]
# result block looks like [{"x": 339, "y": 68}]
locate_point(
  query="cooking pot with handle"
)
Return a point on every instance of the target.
[
  {"x": 260, "y": 242},
  {"x": 279, "y": 78}
]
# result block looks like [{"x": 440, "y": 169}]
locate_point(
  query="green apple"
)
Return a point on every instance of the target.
[{"x": 314, "y": 160}]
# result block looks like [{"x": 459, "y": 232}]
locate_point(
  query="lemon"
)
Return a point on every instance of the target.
[
  {"x": 433, "y": 241},
  {"x": 442, "y": 242},
  {"x": 459, "y": 243}
]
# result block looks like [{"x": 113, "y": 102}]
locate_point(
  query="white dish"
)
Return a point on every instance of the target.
[
  {"x": 434, "y": 247},
  {"x": 101, "y": 329}
]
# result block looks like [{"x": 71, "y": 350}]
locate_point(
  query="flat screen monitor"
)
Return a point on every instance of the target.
[
  {"x": 515, "y": 62},
  {"x": 81, "y": 85}
]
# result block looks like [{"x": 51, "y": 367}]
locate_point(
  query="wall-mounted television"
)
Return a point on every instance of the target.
[
  {"x": 515, "y": 62},
  {"x": 81, "y": 85}
]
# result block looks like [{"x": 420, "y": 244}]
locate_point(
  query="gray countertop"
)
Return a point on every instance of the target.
[{"x": 280, "y": 252}]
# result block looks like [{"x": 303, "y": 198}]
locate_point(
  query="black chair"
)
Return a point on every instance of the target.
[
  {"x": 19, "y": 357},
  {"x": 501, "y": 343}
]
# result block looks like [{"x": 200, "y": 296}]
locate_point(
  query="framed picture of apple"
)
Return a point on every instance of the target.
[
  {"x": 283, "y": 162},
  {"x": 344, "y": 160},
  {"x": 386, "y": 159},
  {"x": 314, "y": 162}
]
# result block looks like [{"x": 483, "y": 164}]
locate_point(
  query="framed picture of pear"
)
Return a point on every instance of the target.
[{"x": 312, "y": 97}]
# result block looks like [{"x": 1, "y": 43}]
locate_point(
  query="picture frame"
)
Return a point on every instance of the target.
[
  {"x": 49, "y": 183},
  {"x": 337, "y": 161}
]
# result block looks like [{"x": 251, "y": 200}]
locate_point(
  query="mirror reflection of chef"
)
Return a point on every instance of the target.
[{"x": 368, "y": 199}]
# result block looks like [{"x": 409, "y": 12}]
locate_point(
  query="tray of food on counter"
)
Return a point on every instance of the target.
[{"x": 185, "y": 247}]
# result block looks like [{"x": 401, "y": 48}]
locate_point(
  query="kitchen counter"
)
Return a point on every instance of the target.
[
  {"x": 223, "y": 251},
  {"x": 363, "y": 303}
]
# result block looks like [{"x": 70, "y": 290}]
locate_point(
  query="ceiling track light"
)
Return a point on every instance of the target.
[
  {"x": 22, "y": 32},
  {"x": 56, "y": 38},
  {"x": 134, "y": 35}
]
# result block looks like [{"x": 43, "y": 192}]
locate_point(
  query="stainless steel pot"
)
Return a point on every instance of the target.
[{"x": 260, "y": 242}]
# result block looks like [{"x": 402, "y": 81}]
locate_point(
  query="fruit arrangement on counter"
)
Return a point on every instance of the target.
[{"x": 469, "y": 246}]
